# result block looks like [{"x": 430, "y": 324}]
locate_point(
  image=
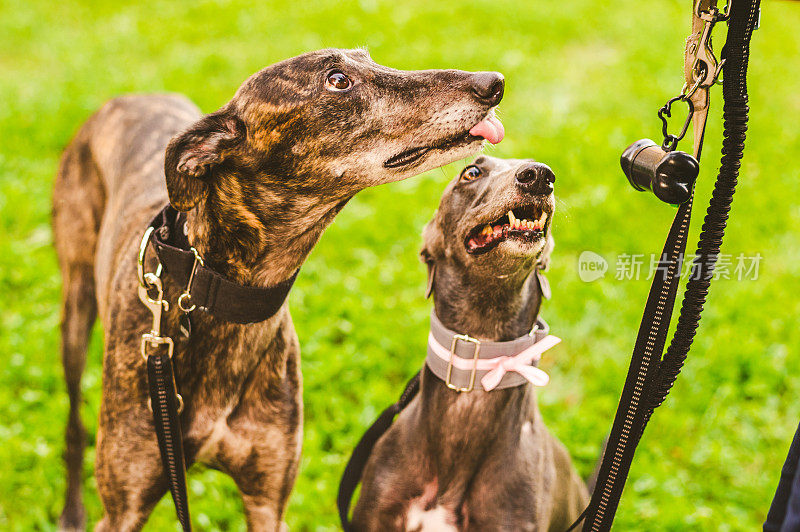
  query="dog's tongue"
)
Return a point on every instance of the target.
[{"x": 489, "y": 128}]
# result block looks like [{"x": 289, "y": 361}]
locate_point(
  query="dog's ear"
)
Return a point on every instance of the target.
[
  {"x": 193, "y": 156},
  {"x": 427, "y": 259},
  {"x": 544, "y": 257}
]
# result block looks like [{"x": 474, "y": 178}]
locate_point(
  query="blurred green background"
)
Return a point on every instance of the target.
[{"x": 584, "y": 79}]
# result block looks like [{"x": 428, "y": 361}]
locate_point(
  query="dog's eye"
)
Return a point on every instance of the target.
[
  {"x": 337, "y": 81},
  {"x": 470, "y": 173}
]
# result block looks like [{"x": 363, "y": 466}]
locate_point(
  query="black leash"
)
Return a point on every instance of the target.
[
  {"x": 206, "y": 291},
  {"x": 354, "y": 469},
  {"x": 167, "y": 405},
  {"x": 649, "y": 378}
]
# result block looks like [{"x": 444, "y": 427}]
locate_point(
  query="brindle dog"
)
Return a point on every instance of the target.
[
  {"x": 261, "y": 178},
  {"x": 478, "y": 461}
]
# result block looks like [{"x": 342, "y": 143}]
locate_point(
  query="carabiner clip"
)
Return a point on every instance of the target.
[{"x": 671, "y": 141}]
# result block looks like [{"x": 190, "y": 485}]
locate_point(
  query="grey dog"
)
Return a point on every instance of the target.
[
  {"x": 261, "y": 179},
  {"x": 478, "y": 460}
]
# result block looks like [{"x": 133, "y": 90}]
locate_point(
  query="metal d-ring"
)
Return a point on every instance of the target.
[
  {"x": 145, "y": 279},
  {"x": 187, "y": 294},
  {"x": 177, "y": 396}
]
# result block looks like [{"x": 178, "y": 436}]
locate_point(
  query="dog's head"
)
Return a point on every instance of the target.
[
  {"x": 330, "y": 123},
  {"x": 494, "y": 219}
]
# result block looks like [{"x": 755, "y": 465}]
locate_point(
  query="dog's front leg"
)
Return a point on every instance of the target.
[
  {"x": 261, "y": 446},
  {"x": 128, "y": 469},
  {"x": 263, "y": 462},
  {"x": 130, "y": 477}
]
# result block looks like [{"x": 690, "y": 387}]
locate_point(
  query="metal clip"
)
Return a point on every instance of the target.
[
  {"x": 143, "y": 279},
  {"x": 705, "y": 67},
  {"x": 186, "y": 295},
  {"x": 465, "y": 338},
  {"x": 713, "y": 12},
  {"x": 156, "y": 306},
  {"x": 155, "y": 341},
  {"x": 670, "y": 140},
  {"x": 151, "y": 282}
]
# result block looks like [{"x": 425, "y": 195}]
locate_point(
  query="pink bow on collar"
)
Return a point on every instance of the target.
[
  {"x": 497, "y": 367},
  {"x": 521, "y": 364}
]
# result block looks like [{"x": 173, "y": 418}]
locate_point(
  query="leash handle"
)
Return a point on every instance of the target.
[{"x": 354, "y": 469}]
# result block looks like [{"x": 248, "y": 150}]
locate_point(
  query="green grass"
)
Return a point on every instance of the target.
[{"x": 583, "y": 80}]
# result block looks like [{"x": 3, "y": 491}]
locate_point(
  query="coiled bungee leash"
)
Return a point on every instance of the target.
[{"x": 650, "y": 378}]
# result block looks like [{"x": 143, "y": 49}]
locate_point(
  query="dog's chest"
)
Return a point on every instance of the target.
[{"x": 216, "y": 438}]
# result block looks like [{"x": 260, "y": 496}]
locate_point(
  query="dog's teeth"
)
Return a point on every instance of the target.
[
  {"x": 487, "y": 230},
  {"x": 512, "y": 218},
  {"x": 542, "y": 219}
]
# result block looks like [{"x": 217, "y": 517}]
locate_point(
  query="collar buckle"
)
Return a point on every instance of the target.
[{"x": 477, "y": 350}]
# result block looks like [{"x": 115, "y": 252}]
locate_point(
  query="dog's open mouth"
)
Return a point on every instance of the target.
[
  {"x": 489, "y": 128},
  {"x": 525, "y": 224}
]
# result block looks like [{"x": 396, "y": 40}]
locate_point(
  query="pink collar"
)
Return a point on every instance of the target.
[{"x": 461, "y": 361}]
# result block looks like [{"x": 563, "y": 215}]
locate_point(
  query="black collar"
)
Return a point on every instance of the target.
[{"x": 207, "y": 290}]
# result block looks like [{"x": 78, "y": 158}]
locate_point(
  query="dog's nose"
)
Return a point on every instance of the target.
[
  {"x": 488, "y": 87},
  {"x": 536, "y": 178}
]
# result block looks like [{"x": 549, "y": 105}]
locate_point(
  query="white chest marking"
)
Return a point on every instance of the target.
[{"x": 437, "y": 519}]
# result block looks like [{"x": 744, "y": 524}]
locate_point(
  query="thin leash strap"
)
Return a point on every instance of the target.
[
  {"x": 632, "y": 412},
  {"x": 646, "y": 355},
  {"x": 164, "y": 400},
  {"x": 358, "y": 460}
]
